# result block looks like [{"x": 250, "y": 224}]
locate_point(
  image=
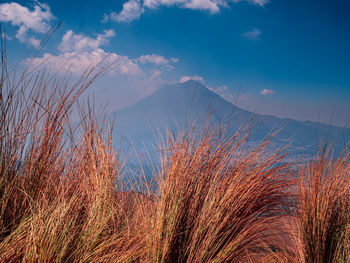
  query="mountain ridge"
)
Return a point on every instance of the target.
[{"x": 174, "y": 106}]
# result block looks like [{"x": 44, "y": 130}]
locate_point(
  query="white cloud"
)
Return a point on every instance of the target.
[
  {"x": 253, "y": 35},
  {"x": 154, "y": 59},
  {"x": 80, "y": 43},
  {"x": 157, "y": 60},
  {"x": 208, "y": 5},
  {"x": 79, "y": 52},
  {"x": 36, "y": 20},
  {"x": 187, "y": 78},
  {"x": 77, "y": 63},
  {"x": 132, "y": 9},
  {"x": 267, "y": 92},
  {"x": 169, "y": 67}
]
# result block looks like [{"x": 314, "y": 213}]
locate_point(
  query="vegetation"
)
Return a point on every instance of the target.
[{"x": 63, "y": 199}]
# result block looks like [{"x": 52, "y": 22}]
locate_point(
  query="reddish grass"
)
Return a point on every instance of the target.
[
  {"x": 63, "y": 199},
  {"x": 320, "y": 229},
  {"x": 216, "y": 199}
]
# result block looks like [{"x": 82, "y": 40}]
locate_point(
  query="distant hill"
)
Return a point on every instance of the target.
[{"x": 175, "y": 106}]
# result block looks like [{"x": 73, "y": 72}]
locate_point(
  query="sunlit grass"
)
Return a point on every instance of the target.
[{"x": 63, "y": 199}]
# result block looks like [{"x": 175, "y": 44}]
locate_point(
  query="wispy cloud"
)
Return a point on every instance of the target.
[
  {"x": 154, "y": 59},
  {"x": 267, "y": 92},
  {"x": 36, "y": 20},
  {"x": 213, "y": 6},
  {"x": 187, "y": 78},
  {"x": 259, "y": 2},
  {"x": 133, "y": 9},
  {"x": 155, "y": 74},
  {"x": 253, "y": 35}
]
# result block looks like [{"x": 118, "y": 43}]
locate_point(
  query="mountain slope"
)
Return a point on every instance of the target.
[{"x": 174, "y": 106}]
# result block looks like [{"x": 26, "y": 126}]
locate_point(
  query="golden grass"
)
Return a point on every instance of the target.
[{"x": 62, "y": 196}]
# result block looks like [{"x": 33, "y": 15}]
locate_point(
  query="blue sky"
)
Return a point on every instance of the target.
[{"x": 288, "y": 58}]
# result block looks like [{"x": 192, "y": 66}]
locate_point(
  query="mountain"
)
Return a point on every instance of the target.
[{"x": 175, "y": 106}]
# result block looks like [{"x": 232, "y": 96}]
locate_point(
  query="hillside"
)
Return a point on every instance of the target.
[{"x": 174, "y": 106}]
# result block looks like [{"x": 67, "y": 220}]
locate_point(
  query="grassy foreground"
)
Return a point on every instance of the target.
[{"x": 62, "y": 197}]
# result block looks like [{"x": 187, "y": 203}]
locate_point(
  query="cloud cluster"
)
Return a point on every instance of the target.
[
  {"x": 72, "y": 42},
  {"x": 132, "y": 9},
  {"x": 36, "y": 20},
  {"x": 77, "y": 52},
  {"x": 78, "y": 62}
]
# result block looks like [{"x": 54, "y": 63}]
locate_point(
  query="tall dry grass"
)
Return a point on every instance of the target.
[
  {"x": 320, "y": 228},
  {"x": 60, "y": 201},
  {"x": 217, "y": 200}
]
